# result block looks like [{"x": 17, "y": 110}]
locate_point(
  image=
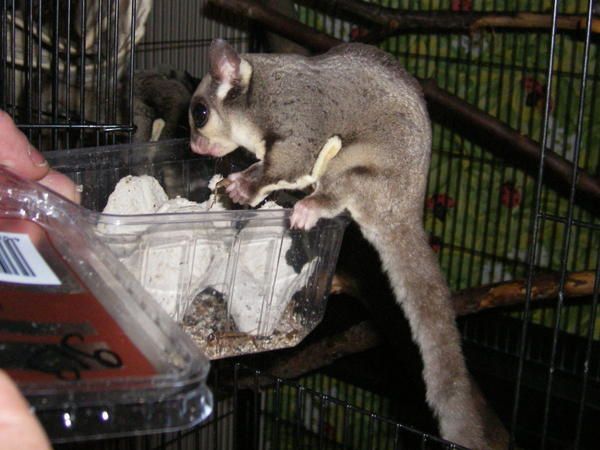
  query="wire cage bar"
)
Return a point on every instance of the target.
[
  {"x": 491, "y": 220},
  {"x": 567, "y": 234},
  {"x": 254, "y": 410},
  {"x": 65, "y": 66},
  {"x": 67, "y": 73}
]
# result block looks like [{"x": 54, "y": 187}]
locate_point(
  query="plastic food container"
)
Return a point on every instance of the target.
[
  {"x": 238, "y": 281},
  {"x": 94, "y": 355}
]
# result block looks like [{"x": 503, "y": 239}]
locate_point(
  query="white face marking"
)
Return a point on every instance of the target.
[
  {"x": 246, "y": 135},
  {"x": 241, "y": 132},
  {"x": 223, "y": 90},
  {"x": 216, "y": 133},
  {"x": 245, "y": 72},
  {"x": 214, "y": 130}
]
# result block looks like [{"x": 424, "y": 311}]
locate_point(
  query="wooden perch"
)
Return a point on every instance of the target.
[
  {"x": 544, "y": 287},
  {"x": 280, "y": 23},
  {"x": 360, "y": 337},
  {"x": 490, "y": 129},
  {"x": 364, "y": 335},
  {"x": 275, "y": 42},
  {"x": 393, "y": 21},
  {"x": 503, "y": 139},
  {"x": 506, "y": 293}
]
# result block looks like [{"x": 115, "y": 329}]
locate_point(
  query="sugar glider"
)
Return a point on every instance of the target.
[
  {"x": 352, "y": 123},
  {"x": 160, "y": 100}
]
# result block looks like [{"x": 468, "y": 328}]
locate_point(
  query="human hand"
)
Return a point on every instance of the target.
[
  {"x": 20, "y": 157},
  {"x": 19, "y": 428}
]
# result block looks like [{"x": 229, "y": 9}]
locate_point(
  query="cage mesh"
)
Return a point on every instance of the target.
[
  {"x": 179, "y": 33},
  {"x": 255, "y": 411},
  {"x": 489, "y": 219}
]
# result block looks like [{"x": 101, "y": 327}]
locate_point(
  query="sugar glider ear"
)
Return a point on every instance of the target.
[{"x": 227, "y": 67}]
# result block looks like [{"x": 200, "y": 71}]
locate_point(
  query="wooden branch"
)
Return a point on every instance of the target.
[
  {"x": 544, "y": 287},
  {"x": 306, "y": 358},
  {"x": 364, "y": 335},
  {"x": 275, "y": 42},
  {"x": 490, "y": 129},
  {"x": 391, "y": 20},
  {"x": 535, "y": 21},
  {"x": 344, "y": 284},
  {"x": 497, "y": 295},
  {"x": 280, "y": 23},
  {"x": 358, "y": 338},
  {"x": 496, "y": 135}
]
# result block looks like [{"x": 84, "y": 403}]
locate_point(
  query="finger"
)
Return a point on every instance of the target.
[
  {"x": 19, "y": 428},
  {"x": 17, "y": 153},
  {"x": 62, "y": 184}
]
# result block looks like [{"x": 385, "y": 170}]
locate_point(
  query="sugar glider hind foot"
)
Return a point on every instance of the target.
[{"x": 306, "y": 214}]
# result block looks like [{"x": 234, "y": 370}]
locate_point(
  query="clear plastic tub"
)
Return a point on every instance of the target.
[
  {"x": 239, "y": 281},
  {"x": 93, "y": 355}
]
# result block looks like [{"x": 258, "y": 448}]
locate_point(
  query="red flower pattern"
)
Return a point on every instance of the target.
[
  {"x": 510, "y": 195},
  {"x": 440, "y": 204},
  {"x": 462, "y": 5},
  {"x": 535, "y": 92},
  {"x": 357, "y": 32},
  {"x": 435, "y": 243}
]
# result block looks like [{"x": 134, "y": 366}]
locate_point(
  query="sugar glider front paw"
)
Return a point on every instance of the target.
[
  {"x": 306, "y": 214},
  {"x": 242, "y": 188}
]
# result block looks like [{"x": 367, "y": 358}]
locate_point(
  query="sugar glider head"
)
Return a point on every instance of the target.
[{"x": 217, "y": 128}]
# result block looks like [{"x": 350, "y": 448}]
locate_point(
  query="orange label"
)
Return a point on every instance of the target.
[{"x": 59, "y": 332}]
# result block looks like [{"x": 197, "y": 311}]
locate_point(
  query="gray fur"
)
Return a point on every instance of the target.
[
  {"x": 362, "y": 95},
  {"x": 161, "y": 94}
]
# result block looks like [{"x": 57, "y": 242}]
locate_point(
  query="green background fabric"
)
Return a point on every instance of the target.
[{"x": 480, "y": 206}]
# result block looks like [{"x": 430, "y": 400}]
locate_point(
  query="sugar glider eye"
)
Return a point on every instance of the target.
[{"x": 200, "y": 114}]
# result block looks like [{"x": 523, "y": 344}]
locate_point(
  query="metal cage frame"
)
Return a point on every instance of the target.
[{"x": 548, "y": 353}]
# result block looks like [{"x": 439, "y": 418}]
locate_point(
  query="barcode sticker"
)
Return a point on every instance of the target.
[{"x": 20, "y": 262}]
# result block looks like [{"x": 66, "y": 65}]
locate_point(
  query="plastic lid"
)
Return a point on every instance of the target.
[{"x": 92, "y": 353}]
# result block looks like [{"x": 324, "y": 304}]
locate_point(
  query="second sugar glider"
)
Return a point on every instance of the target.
[{"x": 353, "y": 123}]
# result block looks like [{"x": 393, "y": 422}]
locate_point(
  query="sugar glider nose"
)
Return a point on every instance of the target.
[{"x": 199, "y": 114}]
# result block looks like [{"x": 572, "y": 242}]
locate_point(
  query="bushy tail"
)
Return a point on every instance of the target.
[{"x": 423, "y": 294}]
